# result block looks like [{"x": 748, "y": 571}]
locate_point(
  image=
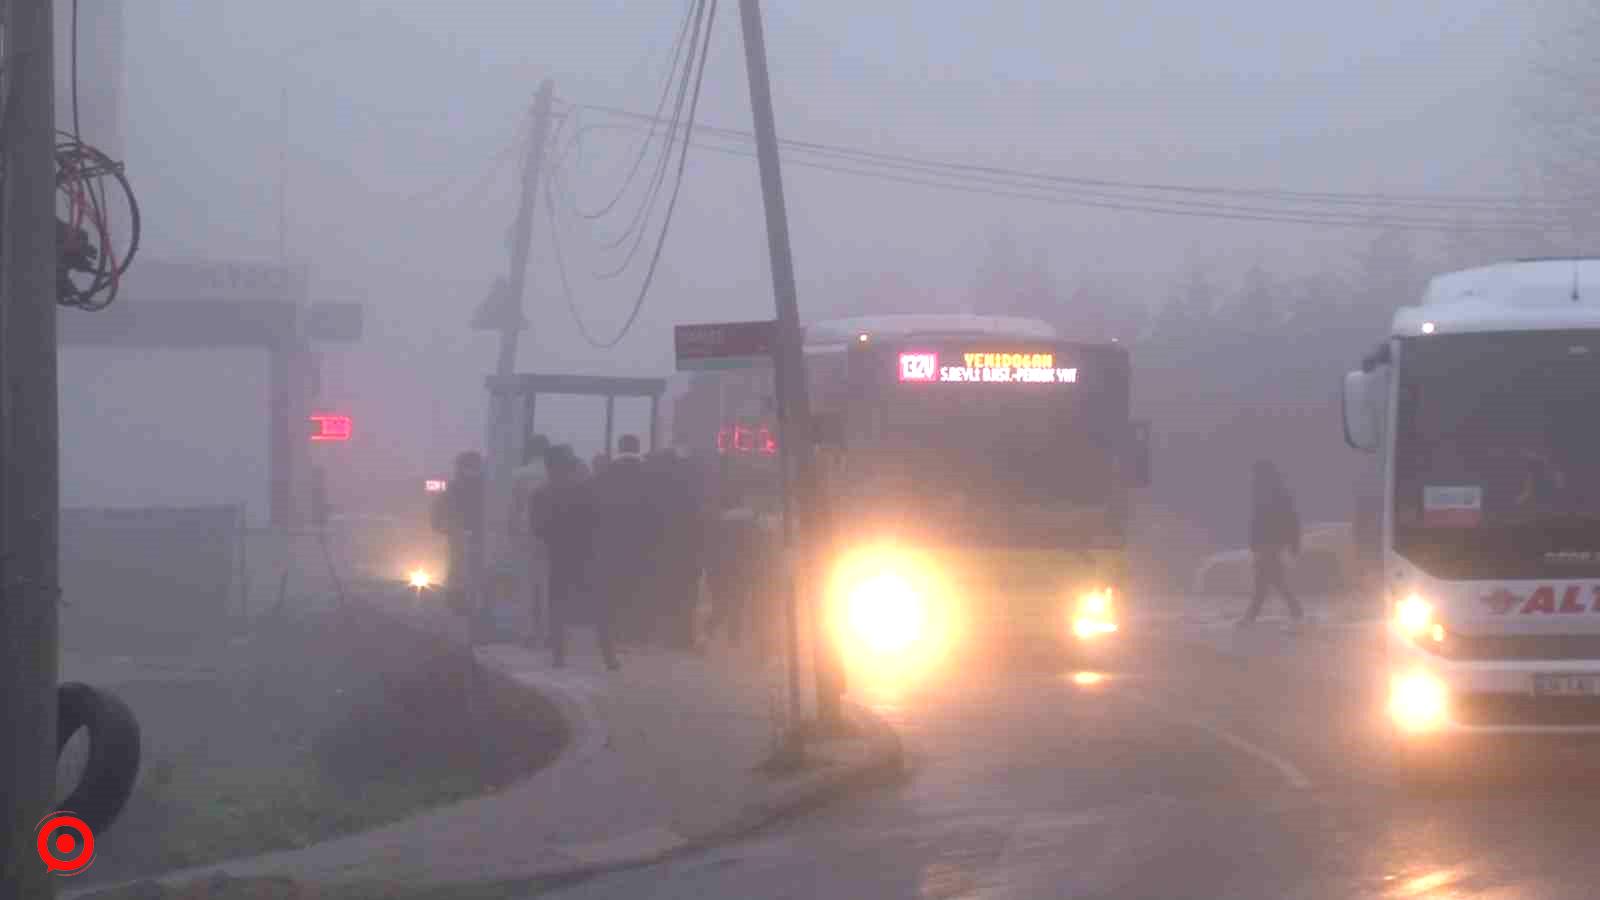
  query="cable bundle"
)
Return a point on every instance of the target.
[
  {"x": 86, "y": 244},
  {"x": 687, "y": 73},
  {"x": 84, "y": 239}
]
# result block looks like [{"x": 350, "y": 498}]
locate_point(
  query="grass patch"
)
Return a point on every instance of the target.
[
  {"x": 287, "y": 889},
  {"x": 314, "y": 729}
]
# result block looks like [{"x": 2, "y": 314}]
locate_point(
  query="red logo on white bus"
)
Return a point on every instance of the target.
[
  {"x": 1544, "y": 600},
  {"x": 919, "y": 366},
  {"x": 1501, "y": 601}
]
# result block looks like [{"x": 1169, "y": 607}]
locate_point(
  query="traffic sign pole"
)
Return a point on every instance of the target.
[{"x": 794, "y": 404}]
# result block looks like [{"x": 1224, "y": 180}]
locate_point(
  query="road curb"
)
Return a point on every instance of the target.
[{"x": 884, "y": 756}]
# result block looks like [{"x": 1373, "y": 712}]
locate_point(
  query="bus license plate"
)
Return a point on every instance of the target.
[{"x": 1566, "y": 685}]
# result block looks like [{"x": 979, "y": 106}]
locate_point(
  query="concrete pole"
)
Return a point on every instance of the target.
[
  {"x": 501, "y": 456},
  {"x": 808, "y": 503},
  {"x": 283, "y": 176},
  {"x": 29, "y": 488},
  {"x": 281, "y": 435}
]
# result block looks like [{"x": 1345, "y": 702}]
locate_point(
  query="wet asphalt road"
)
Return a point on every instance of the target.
[{"x": 1206, "y": 763}]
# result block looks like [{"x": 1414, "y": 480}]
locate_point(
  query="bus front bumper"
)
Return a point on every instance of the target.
[{"x": 1429, "y": 696}]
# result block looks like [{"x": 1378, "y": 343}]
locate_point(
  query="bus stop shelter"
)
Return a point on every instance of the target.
[{"x": 518, "y": 396}]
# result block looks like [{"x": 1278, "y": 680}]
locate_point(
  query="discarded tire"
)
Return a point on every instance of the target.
[{"x": 113, "y": 751}]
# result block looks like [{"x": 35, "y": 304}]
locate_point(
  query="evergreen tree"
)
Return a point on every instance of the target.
[
  {"x": 1259, "y": 308},
  {"x": 1000, "y": 277},
  {"x": 1189, "y": 314}
]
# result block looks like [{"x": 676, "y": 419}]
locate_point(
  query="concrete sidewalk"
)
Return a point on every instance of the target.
[{"x": 664, "y": 756}]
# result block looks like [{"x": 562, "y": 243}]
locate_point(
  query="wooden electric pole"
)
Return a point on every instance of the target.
[
  {"x": 808, "y": 503},
  {"x": 502, "y": 447},
  {"x": 29, "y": 491}
]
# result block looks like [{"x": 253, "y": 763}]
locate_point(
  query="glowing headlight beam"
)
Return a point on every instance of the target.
[
  {"x": 1418, "y": 701},
  {"x": 1413, "y": 616},
  {"x": 1089, "y": 628},
  {"x": 419, "y": 579},
  {"x": 1097, "y": 603},
  {"x": 886, "y": 613}
]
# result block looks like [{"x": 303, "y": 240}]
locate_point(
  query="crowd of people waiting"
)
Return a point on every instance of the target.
[{"x": 624, "y": 543}]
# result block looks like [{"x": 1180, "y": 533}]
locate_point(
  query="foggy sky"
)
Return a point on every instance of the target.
[{"x": 1359, "y": 96}]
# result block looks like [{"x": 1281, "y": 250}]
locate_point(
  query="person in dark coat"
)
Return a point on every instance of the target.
[
  {"x": 459, "y": 515},
  {"x": 677, "y": 558},
  {"x": 627, "y": 533},
  {"x": 1274, "y": 532},
  {"x": 729, "y": 571},
  {"x": 564, "y": 516}
]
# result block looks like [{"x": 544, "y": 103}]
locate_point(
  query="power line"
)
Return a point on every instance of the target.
[
  {"x": 1059, "y": 195},
  {"x": 689, "y": 18},
  {"x": 637, "y": 227},
  {"x": 672, "y": 205},
  {"x": 1438, "y": 201}
]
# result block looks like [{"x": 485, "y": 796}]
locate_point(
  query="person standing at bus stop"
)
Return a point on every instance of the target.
[
  {"x": 628, "y": 533},
  {"x": 527, "y": 555},
  {"x": 1274, "y": 533},
  {"x": 564, "y": 516}
]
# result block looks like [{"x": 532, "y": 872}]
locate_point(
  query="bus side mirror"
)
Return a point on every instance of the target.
[
  {"x": 827, "y": 429},
  {"x": 1360, "y": 417},
  {"x": 1141, "y": 454}
]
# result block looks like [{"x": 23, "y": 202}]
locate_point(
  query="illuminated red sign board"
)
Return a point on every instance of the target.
[
  {"x": 987, "y": 368},
  {"x": 330, "y": 428},
  {"x": 747, "y": 439}
]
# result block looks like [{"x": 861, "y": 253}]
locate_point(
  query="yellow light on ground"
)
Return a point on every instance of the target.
[
  {"x": 1087, "y": 679},
  {"x": 419, "y": 579},
  {"x": 886, "y": 613},
  {"x": 1418, "y": 701},
  {"x": 1413, "y": 616}
]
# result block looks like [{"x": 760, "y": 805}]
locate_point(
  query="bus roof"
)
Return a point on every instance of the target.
[
  {"x": 1522, "y": 295},
  {"x": 894, "y": 327}
]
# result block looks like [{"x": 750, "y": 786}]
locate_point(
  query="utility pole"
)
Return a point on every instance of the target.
[
  {"x": 502, "y": 448},
  {"x": 283, "y": 176},
  {"x": 29, "y": 491},
  {"x": 808, "y": 504}
]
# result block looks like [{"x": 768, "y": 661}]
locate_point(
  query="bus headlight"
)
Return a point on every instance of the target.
[
  {"x": 1093, "y": 616},
  {"x": 1413, "y": 616},
  {"x": 886, "y": 613},
  {"x": 1418, "y": 701}
]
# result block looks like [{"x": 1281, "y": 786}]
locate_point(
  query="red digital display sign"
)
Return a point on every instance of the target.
[
  {"x": 747, "y": 439},
  {"x": 327, "y": 427}
]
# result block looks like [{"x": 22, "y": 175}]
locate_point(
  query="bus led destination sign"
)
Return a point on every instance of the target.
[{"x": 991, "y": 368}]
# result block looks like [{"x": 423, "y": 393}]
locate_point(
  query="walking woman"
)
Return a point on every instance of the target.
[{"x": 1274, "y": 532}]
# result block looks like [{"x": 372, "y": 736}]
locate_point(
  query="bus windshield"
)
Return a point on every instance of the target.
[
  {"x": 1015, "y": 461},
  {"x": 1497, "y": 461},
  {"x": 989, "y": 445}
]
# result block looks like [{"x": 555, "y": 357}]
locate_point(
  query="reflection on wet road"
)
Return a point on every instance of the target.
[{"x": 1199, "y": 763}]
